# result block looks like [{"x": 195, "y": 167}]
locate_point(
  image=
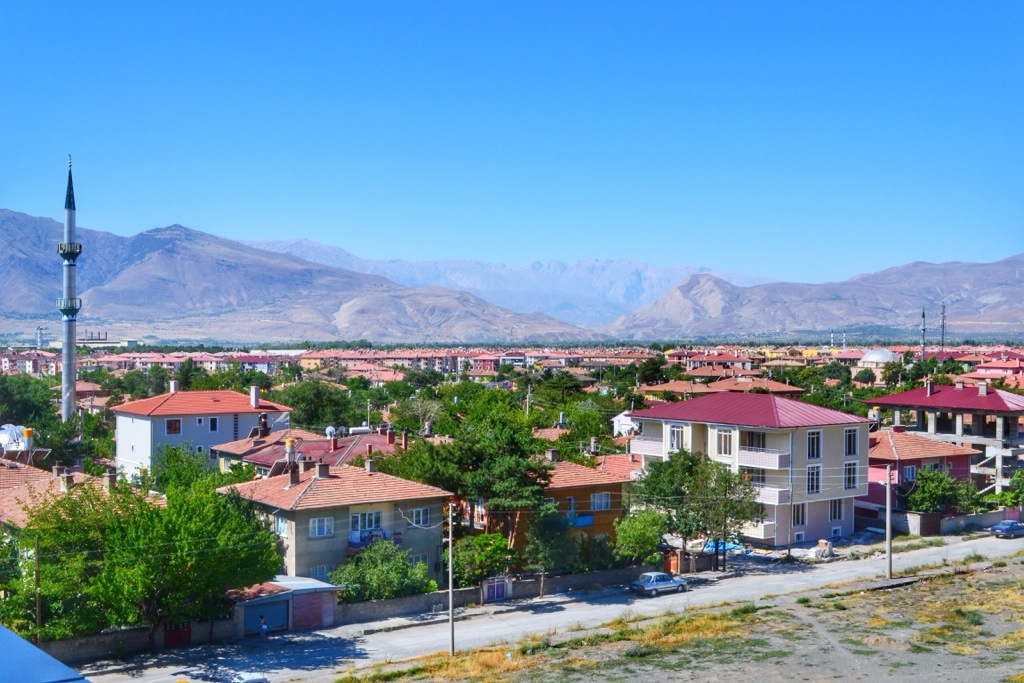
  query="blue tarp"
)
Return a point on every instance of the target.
[{"x": 709, "y": 547}]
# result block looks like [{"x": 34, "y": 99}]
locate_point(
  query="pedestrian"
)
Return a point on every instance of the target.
[{"x": 263, "y": 628}]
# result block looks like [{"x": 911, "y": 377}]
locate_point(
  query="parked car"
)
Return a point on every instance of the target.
[
  {"x": 250, "y": 678},
  {"x": 652, "y": 583},
  {"x": 1007, "y": 529}
]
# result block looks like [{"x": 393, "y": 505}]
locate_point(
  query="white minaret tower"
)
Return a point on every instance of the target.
[{"x": 68, "y": 304}]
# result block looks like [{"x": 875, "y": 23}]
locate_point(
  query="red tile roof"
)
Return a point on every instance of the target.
[
  {"x": 247, "y": 445},
  {"x": 198, "y": 403},
  {"x": 345, "y": 486},
  {"x": 953, "y": 398},
  {"x": 748, "y": 383},
  {"x": 621, "y": 464},
  {"x": 751, "y": 410},
  {"x": 566, "y": 475},
  {"x": 319, "y": 449},
  {"x": 15, "y": 474},
  {"x": 897, "y": 444}
]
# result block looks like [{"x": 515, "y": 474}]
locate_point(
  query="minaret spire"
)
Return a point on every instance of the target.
[
  {"x": 69, "y": 198},
  {"x": 68, "y": 304}
]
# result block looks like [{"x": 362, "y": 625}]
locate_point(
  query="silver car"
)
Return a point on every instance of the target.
[{"x": 652, "y": 583}]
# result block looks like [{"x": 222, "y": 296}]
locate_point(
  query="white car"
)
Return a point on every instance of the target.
[{"x": 250, "y": 678}]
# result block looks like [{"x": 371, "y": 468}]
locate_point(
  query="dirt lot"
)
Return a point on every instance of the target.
[{"x": 947, "y": 622}]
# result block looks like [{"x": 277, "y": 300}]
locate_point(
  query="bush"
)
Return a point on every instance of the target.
[{"x": 380, "y": 572}]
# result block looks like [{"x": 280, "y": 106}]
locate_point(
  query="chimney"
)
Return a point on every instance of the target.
[
  {"x": 551, "y": 455},
  {"x": 391, "y": 436},
  {"x": 174, "y": 386},
  {"x": 323, "y": 470},
  {"x": 369, "y": 449},
  {"x": 405, "y": 439},
  {"x": 67, "y": 480},
  {"x": 293, "y": 477},
  {"x": 58, "y": 470},
  {"x": 334, "y": 443},
  {"x": 983, "y": 388},
  {"x": 959, "y": 384},
  {"x": 928, "y": 387},
  {"x": 899, "y": 429},
  {"x": 305, "y": 465},
  {"x": 254, "y": 396},
  {"x": 109, "y": 481},
  {"x": 264, "y": 428},
  {"x": 593, "y": 445}
]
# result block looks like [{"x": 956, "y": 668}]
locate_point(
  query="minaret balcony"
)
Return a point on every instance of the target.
[
  {"x": 69, "y": 250},
  {"x": 69, "y": 306}
]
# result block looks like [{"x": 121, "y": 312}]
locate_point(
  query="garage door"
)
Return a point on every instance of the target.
[{"x": 275, "y": 612}]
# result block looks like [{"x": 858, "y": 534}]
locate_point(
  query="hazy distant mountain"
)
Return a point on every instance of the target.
[
  {"x": 588, "y": 293},
  {"x": 980, "y": 298},
  {"x": 178, "y": 283}
]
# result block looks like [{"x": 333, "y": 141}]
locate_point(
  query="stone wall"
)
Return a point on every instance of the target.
[
  {"x": 126, "y": 642},
  {"x": 356, "y": 612}
]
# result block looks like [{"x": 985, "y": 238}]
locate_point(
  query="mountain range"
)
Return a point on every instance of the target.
[
  {"x": 589, "y": 293},
  {"x": 178, "y": 284}
]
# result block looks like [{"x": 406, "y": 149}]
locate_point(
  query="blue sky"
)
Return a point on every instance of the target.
[{"x": 801, "y": 141}]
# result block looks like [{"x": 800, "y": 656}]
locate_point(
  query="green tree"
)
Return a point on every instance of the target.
[
  {"x": 477, "y": 557},
  {"x": 837, "y": 371},
  {"x": 380, "y": 572},
  {"x": 892, "y": 373},
  {"x": 731, "y": 502},
  {"x": 865, "y": 376},
  {"x": 549, "y": 542},
  {"x": 638, "y": 535},
  {"x": 316, "y": 404},
  {"x": 187, "y": 374},
  {"x": 936, "y": 491},
  {"x": 156, "y": 380},
  {"x": 172, "y": 563},
  {"x": 666, "y": 487}
]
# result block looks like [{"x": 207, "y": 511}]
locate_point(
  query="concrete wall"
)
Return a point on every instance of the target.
[
  {"x": 913, "y": 523},
  {"x": 955, "y": 525},
  {"x": 131, "y": 641},
  {"x": 356, "y": 612}
]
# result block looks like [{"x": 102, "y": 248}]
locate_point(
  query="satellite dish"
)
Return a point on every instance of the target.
[
  {"x": 329, "y": 431},
  {"x": 10, "y": 435}
]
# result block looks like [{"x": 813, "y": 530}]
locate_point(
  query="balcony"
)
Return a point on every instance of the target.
[
  {"x": 360, "y": 540},
  {"x": 764, "y": 458},
  {"x": 759, "y": 531},
  {"x": 642, "y": 445},
  {"x": 772, "y": 495},
  {"x": 580, "y": 521}
]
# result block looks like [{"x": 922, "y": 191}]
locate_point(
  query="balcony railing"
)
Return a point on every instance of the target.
[
  {"x": 642, "y": 445},
  {"x": 358, "y": 540},
  {"x": 759, "y": 531},
  {"x": 772, "y": 495},
  {"x": 765, "y": 458}
]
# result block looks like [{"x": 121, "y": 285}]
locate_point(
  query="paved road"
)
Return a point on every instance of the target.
[{"x": 320, "y": 656}]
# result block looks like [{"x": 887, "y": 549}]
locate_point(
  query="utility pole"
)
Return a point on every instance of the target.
[
  {"x": 529, "y": 388},
  {"x": 39, "y": 596},
  {"x": 942, "y": 345},
  {"x": 451, "y": 582},
  {"x": 888, "y": 521}
]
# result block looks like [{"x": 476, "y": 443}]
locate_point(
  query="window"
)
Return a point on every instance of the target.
[
  {"x": 814, "y": 479},
  {"x": 798, "y": 537},
  {"x": 800, "y": 514},
  {"x": 199, "y": 422},
  {"x": 600, "y": 501},
  {"x": 416, "y": 559},
  {"x": 724, "y": 442},
  {"x": 214, "y": 424},
  {"x": 756, "y": 440},
  {"x": 837, "y": 532},
  {"x": 850, "y": 476},
  {"x": 835, "y": 510},
  {"x": 814, "y": 444},
  {"x": 365, "y": 520},
  {"x": 281, "y": 526},
  {"x": 421, "y": 517},
  {"x": 321, "y": 571},
  {"x": 173, "y": 425},
  {"x": 850, "y": 440},
  {"x": 570, "y": 505},
  {"x": 319, "y": 527},
  {"x": 909, "y": 473},
  {"x": 675, "y": 439}
]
